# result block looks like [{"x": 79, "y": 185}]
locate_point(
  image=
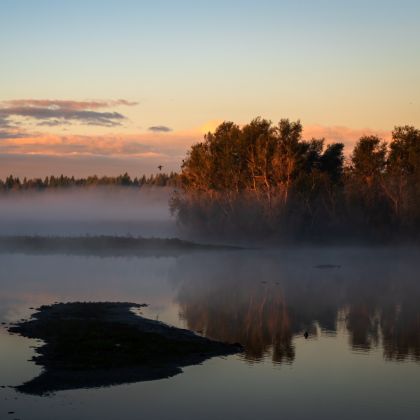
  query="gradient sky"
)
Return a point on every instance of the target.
[{"x": 343, "y": 68}]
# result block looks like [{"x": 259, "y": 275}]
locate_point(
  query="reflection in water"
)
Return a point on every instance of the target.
[
  {"x": 255, "y": 316},
  {"x": 264, "y": 300},
  {"x": 401, "y": 330}
]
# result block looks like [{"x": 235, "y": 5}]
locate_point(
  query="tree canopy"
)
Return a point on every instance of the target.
[{"x": 265, "y": 179}]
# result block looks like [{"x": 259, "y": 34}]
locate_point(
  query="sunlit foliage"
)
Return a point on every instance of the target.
[{"x": 266, "y": 180}]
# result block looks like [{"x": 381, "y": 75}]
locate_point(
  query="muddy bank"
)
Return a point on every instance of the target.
[
  {"x": 101, "y": 344},
  {"x": 102, "y": 246}
]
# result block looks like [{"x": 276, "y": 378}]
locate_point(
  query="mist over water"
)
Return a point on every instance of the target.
[
  {"x": 88, "y": 211},
  {"x": 359, "y": 306}
]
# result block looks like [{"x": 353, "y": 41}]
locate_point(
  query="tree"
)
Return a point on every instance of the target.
[
  {"x": 368, "y": 200},
  {"x": 403, "y": 175},
  {"x": 258, "y": 178}
]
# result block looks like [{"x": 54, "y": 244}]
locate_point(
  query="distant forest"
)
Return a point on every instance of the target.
[
  {"x": 265, "y": 180},
  {"x": 12, "y": 183}
]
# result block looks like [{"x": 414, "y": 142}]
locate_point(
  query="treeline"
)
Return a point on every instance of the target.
[
  {"x": 12, "y": 183},
  {"x": 266, "y": 180}
]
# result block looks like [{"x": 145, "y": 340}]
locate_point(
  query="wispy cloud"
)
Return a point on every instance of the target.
[
  {"x": 73, "y": 145},
  {"x": 9, "y": 130},
  {"x": 59, "y": 112},
  {"x": 9, "y": 134},
  {"x": 174, "y": 145},
  {"x": 4, "y": 122},
  {"x": 160, "y": 129},
  {"x": 43, "y": 154},
  {"x": 75, "y": 105}
]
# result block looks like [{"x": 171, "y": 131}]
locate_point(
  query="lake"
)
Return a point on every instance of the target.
[{"x": 359, "y": 307}]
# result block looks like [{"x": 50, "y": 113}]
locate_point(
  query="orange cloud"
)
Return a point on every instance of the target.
[{"x": 174, "y": 145}]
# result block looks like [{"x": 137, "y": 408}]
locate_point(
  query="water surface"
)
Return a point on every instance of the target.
[{"x": 359, "y": 306}]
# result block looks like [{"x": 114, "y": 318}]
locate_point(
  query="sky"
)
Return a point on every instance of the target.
[{"x": 105, "y": 87}]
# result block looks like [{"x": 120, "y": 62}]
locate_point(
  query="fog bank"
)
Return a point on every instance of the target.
[{"x": 83, "y": 211}]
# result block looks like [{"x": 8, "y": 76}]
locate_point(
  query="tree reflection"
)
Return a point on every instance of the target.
[
  {"x": 401, "y": 330},
  {"x": 362, "y": 325},
  {"x": 264, "y": 302},
  {"x": 255, "y": 316}
]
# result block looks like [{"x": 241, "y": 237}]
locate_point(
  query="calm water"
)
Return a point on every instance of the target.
[{"x": 360, "y": 307}]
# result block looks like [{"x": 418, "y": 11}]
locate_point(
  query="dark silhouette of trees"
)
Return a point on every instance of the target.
[
  {"x": 264, "y": 179},
  {"x": 260, "y": 178},
  {"x": 368, "y": 204},
  {"x": 403, "y": 176},
  {"x": 160, "y": 180}
]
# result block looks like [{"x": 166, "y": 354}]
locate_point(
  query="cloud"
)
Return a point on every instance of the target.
[
  {"x": 75, "y": 105},
  {"x": 160, "y": 129},
  {"x": 73, "y": 145},
  {"x": 9, "y": 130},
  {"x": 64, "y": 115},
  {"x": 4, "y": 122},
  {"x": 173, "y": 145},
  {"x": 59, "y": 112},
  {"x": 43, "y": 154},
  {"x": 8, "y": 134},
  {"x": 53, "y": 123}
]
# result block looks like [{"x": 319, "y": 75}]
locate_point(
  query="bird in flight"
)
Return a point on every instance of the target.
[{"x": 160, "y": 167}]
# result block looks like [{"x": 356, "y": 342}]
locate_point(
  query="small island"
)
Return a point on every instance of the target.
[{"x": 95, "y": 344}]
